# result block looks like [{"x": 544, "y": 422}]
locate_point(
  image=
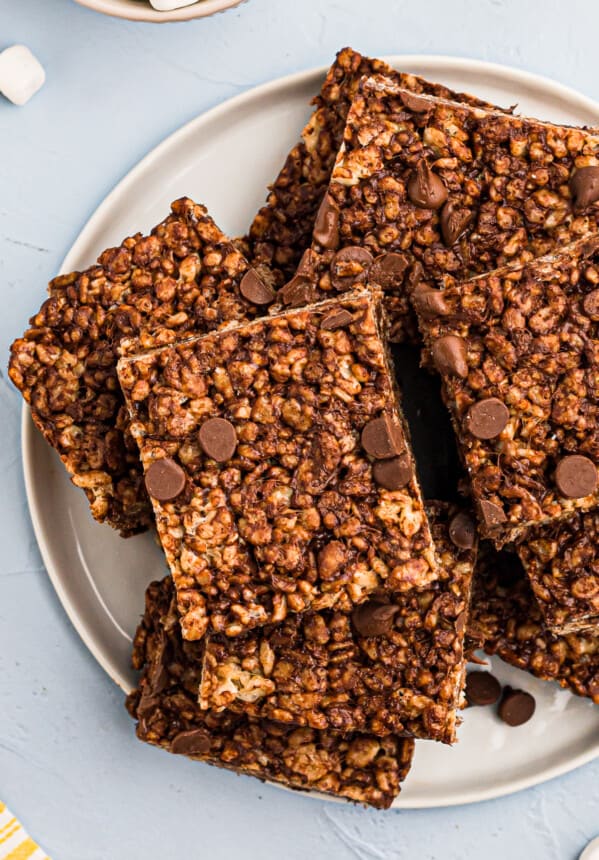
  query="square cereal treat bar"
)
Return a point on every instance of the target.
[
  {"x": 186, "y": 276},
  {"x": 279, "y": 466},
  {"x": 517, "y": 350},
  {"x": 424, "y": 188},
  {"x": 505, "y": 619},
  {"x": 394, "y": 664},
  {"x": 360, "y": 767},
  {"x": 562, "y": 563},
  {"x": 282, "y": 229}
]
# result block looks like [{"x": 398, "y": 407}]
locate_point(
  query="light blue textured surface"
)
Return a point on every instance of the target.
[{"x": 69, "y": 765}]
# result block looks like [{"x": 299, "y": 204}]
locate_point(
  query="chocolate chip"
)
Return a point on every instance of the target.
[
  {"x": 516, "y": 707},
  {"x": 394, "y": 473},
  {"x": 388, "y": 270},
  {"x": 308, "y": 263},
  {"x": 454, "y": 220},
  {"x": 590, "y": 305},
  {"x": 349, "y": 267},
  {"x": 165, "y": 480},
  {"x": 326, "y": 225},
  {"x": 487, "y": 418},
  {"x": 462, "y": 531},
  {"x": 255, "y": 290},
  {"x": 576, "y": 476},
  {"x": 353, "y": 254},
  {"x": 218, "y": 439},
  {"x": 482, "y": 688},
  {"x": 425, "y": 188},
  {"x": 584, "y": 186},
  {"x": 192, "y": 742},
  {"x": 148, "y": 706},
  {"x": 429, "y": 303},
  {"x": 374, "y": 619},
  {"x": 337, "y": 318},
  {"x": 148, "y": 703},
  {"x": 297, "y": 292},
  {"x": 414, "y": 102},
  {"x": 157, "y": 675},
  {"x": 492, "y": 514},
  {"x": 382, "y": 438},
  {"x": 450, "y": 356}
]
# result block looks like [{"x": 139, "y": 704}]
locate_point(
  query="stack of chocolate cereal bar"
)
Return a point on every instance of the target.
[{"x": 241, "y": 397}]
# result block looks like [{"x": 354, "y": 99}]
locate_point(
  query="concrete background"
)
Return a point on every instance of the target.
[{"x": 68, "y": 764}]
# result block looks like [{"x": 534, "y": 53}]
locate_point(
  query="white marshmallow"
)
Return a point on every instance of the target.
[
  {"x": 167, "y": 5},
  {"x": 21, "y": 74},
  {"x": 591, "y": 852}
]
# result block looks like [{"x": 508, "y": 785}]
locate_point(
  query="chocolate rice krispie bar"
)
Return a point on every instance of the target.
[
  {"x": 518, "y": 352},
  {"x": 282, "y": 230},
  {"x": 394, "y": 664},
  {"x": 360, "y": 767},
  {"x": 505, "y": 619},
  {"x": 279, "y": 466},
  {"x": 186, "y": 276},
  {"x": 562, "y": 564},
  {"x": 424, "y": 187}
]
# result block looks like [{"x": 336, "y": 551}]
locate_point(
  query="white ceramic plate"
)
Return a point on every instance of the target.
[
  {"x": 225, "y": 158},
  {"x": 140, "y": 10}
]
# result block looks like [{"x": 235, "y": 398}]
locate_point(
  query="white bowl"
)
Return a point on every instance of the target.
[{"x": 136, "y": 10}]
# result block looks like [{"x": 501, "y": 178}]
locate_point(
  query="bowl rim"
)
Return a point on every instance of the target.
[{"x": 147, "y": 14}]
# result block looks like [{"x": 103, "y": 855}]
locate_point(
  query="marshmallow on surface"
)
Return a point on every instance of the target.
[{"x": 21, "y": 74}]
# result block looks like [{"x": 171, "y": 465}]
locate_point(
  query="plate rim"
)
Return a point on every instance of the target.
[
  {"x": 435, "y": 62},
  {"x": 152, "y": 16}
]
